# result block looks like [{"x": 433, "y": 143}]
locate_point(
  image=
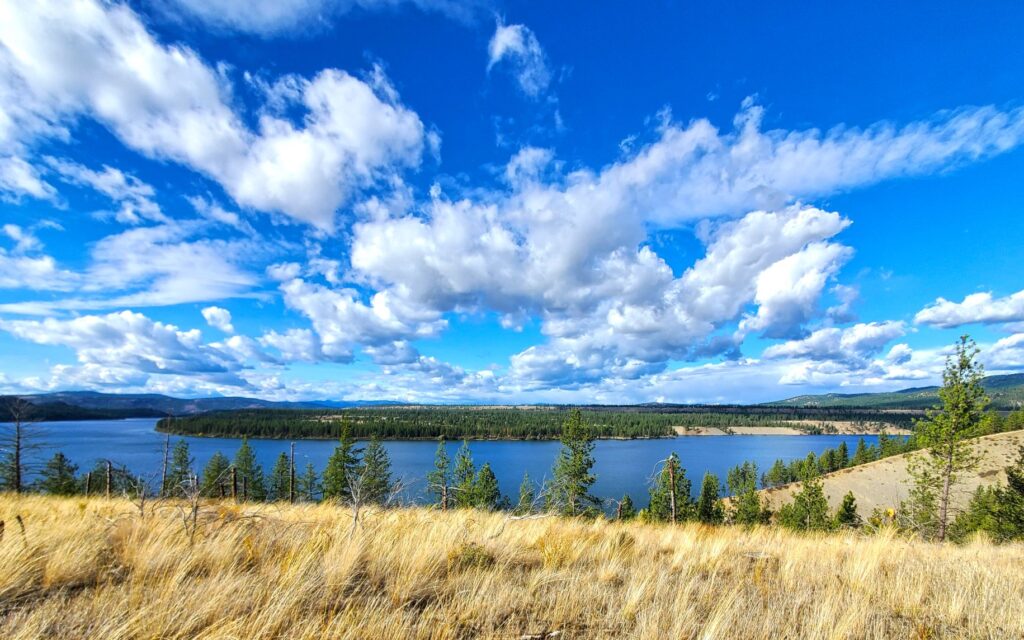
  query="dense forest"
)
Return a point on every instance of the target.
[{"x": 456, "y": 423}]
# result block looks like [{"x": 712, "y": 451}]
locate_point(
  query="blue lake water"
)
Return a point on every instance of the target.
[{"x": 622, "y": 466}]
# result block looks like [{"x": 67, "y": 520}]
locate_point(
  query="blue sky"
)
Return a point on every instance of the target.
[{"x": 476, "y": 201}]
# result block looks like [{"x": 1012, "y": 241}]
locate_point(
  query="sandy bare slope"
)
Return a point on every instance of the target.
[{"x": 885, "y": 482}]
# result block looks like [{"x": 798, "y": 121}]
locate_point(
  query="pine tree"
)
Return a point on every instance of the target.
[
  {"x": 375, "y": 481},
  {"x": 860, "y": 455},
  {"x": 742, "y": 482},
  {"x": 58, "y": 476},
  {"x": 215, "y": 475},
  {"x": 777, "y": 476},
  {"x": 709, "y": 506},
  {"x": 280, "y": 479},
  {"x": 626, "y": 510},
  {"x": 527, "y": 494},
  {"x": 344, "y": 467},
  {"x": 809, "y": 509},
  {"x": 998, "y": 511},
  {"x": 249, "y": 473},
  {"x": 842, "y": 456},
  {"x": 464, "y": 478},
  {"x": 846, "y": 515},
  {"x": 487, "y": 495},
  {"x": 670, "y": 495},
  {"x": 439, "y": 480},
  {"x": 569, "y": 491},
  {"x": 179, "y": 473},
  {"x": 308, "y": 485},
  {"x": 943, "y": 436}
]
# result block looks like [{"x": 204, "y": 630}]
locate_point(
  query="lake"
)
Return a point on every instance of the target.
[{"x": 622, "y": 466}]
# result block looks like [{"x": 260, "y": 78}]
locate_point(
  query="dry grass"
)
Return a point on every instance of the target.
[
  {"x": 95, "y": 569},
  {"x": 884, "y": 483}
]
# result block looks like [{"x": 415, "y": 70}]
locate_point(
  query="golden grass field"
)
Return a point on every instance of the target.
[{"x": 98, "y": 569}]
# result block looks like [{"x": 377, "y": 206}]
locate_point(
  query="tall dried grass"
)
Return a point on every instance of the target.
[{"x": 97, "y": 569}]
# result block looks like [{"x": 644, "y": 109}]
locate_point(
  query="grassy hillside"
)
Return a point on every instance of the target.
[
  {"x": 885, "y": 482},
  {"x": 98, "y": 569},
  {"x": 1006, "y": 392}
]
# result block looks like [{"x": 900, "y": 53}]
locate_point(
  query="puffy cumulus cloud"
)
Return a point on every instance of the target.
[
  {"x": 134, "y": 197},
  {"x": 298, "y": 345},
  {"x": 610, "y": 305},
  {"x": 128, "y": 343},
  {"x": 788, "y": 291},
  {"x": 19, "y": 178},
  {"x": 1005, "y": 354},
  {"x": 218, "y": 318},
  {"x": 274, "y": 17},
  {"x": 977, "y": 307},
  {"x": 61, "y": 62},
  {"x": 518, "y": 47},
  {"x": 855, "y": 344},
  {"x": 342, "y": 320}
]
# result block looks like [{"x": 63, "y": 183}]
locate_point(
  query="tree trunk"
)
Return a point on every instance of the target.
[
  {"x": 163, "y": 471},
  {"x": 944, "y": 501},
  {"x": 110, "y": 477},
  {"x": 672, "y": 490},
  {"x": 17, "y": 455},
  {"x": 234, "y": 483},
  {"x": 291, "y": 477}
]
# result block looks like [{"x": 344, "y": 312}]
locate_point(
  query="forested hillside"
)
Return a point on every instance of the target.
[
  {"x": 504, "y": 422},
  {"x": 1006, "y": 393}
]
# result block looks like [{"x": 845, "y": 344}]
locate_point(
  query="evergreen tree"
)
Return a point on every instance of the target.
[
  {"x": 249, "y": 473},
  {"x": 998, "y": 511},
  {"x": 943, "y": 435},
  {"x": 777, "y": 476},
  {"x": 846, "y": 515},
  {"x": 671, "y": 487},
  {"x": 439, "y": 480},
  {"x": 569, "y": 491},
  {"x": 344, "y": 467},
  {"x": 842, "y": 456},
  {"x": 527, "y": 494},
  {"x": 809, "y": 509},
  {"x": 626, "y": 509},
  {"x": 179, "y": 472},
  {"x": 748, "y": 509},
  {"x": 709, "y": 506},
  {"x": 280, "y": 479},
  {"x": 742, "y": 477},
  {"x": 464, "y": 478},
  {"x": 58, "y": 476},
  {"x": 860, "y": 455},
  {"x": 487, "y": 495},
  {"x": 375, "y": 481},
  {"x": 216, "y": 475},
  {"x": 308, "y": 485}
]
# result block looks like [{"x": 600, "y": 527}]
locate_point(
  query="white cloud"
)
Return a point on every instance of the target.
[
  {"x": 273, "y": 17},
  {"x": 977, "y": 307},
  {"x": 134, "y": 196},
  {"x": 854, "y": 344},
  {"x": 150, "y": 266},
  {"x": 24, "y": 239},
  {"x": 218, "y": 318},
  {"x": 517, "y": 46},
  {"x": 1006, "y": 354},
  {"x": 90, "y": 59},
  {"x": 19, "y": 178},
  {"x": 130, "y": 342}
]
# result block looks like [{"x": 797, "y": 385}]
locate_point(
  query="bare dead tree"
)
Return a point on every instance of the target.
[
  {"x": 163, "y": 468},
  {"x": 17, "y": 441}
]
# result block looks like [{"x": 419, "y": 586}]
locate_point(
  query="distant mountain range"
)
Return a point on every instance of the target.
[
  {"x": 91, "y": 405},
  {"x": 1006, "y": 392}
]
